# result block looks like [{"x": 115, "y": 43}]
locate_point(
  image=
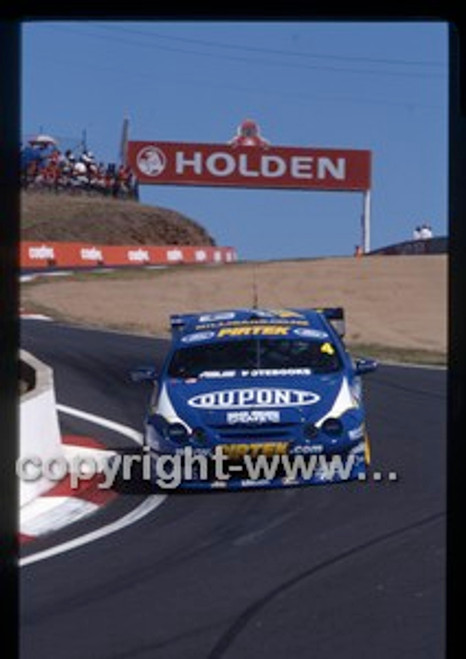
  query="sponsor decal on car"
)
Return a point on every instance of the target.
[
  {"x": 255, "y": 322},
  {"x": 254, "y": 330},
  {"x": 308, "y": 448},
  {"x": 286, "y": 313},
  {"x": 235, "y": 451},
  {"x": 275, "y": 372},
  {"x": 309, "y": 333},
  {"x": 217, "y": 374},
  {"x": 216, "y": 317},
  {"x": 254, "y": 416},
  {"x": 195, "y": 450},
  {"x": 254, "y": 397},
  {"x": 251, "y": 482},
  {"x": 257, "y": 373},
  {"x": 197, "y": 336}
]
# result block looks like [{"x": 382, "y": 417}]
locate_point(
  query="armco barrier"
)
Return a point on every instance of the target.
[
  {"x": 39, "y": 431},
  {"x": 428, "y": 246},
  {"x": 34, "y": 254}
]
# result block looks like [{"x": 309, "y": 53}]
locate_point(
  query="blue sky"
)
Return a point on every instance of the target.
[{"x": 381, "y": 86}]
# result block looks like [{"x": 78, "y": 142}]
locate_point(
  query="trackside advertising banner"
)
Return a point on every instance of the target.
[
  {"x": 56, "y": 254},
  {"x": 179, "y": 163}
]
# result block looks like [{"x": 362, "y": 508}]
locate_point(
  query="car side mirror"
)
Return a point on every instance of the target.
[
  {"x": 363, "y": 366},
  {"x": 143, "y": 374}
]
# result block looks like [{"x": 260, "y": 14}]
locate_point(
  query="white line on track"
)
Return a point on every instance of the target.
[
  {"x": 149, "y": 504},
  {"x": 135, "y": 435}
]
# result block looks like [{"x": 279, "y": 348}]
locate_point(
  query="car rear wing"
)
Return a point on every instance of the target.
[
  {"x": 336, "y": 316},
  {"x": 179, "y": 321}
]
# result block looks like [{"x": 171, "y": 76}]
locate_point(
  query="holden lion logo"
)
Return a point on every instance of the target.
[{"x": 151, "y": 161}]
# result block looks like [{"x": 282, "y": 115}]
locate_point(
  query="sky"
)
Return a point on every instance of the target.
[{"x": 381, "y": 86}]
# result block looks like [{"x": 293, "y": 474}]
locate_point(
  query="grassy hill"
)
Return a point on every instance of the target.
[
  {"x": 105, "y": 221},
  {"x": 388, "y": 313}
]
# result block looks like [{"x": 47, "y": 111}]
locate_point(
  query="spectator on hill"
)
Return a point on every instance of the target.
[
  {"x": 67, "y": 163},
  {"x": 29, "y": 164},
  {"x": 124, "y": 180},
  {"x": 70, "y": 158},
  {"x": 44, "y": 166},
  {"x": 79, "y": 175},
  {"x": 426, "y": 232}
]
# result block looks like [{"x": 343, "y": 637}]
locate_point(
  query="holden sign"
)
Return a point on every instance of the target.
[
  {"x": 180, "y": 163},
  {"x": 243, "y": 163}
]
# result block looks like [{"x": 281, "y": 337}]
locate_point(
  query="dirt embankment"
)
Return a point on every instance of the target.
[
  {"x": 105, "y": 221},
  {"x": 396, "y": 302}
]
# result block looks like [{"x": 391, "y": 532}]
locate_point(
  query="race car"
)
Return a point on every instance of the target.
[{"x": 256, "y": 398}]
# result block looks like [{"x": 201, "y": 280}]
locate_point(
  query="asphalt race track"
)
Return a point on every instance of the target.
[{"x": 351, "y": 570}]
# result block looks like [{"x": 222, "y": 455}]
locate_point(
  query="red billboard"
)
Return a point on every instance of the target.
[
  {"x": 190, "y": 163},
  {"x": 37, "y": 255}
]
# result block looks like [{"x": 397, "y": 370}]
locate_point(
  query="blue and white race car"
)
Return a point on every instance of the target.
[{"x": 257, "y": 397}]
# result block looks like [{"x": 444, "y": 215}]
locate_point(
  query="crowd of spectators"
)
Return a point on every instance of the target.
[
  {"x": 423, "y": 232},
  {"x": 45, "y": 167}
]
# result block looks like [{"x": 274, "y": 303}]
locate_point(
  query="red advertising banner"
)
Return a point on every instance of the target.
[
  {"x": 179, "y": 163},
  {"x": 37, "y": 255}
]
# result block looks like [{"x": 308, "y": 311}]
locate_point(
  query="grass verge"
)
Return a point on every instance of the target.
[{"x": 401, "y": 355}]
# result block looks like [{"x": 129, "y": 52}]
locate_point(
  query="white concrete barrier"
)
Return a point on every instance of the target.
[{"x": 39, "y": 430}]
